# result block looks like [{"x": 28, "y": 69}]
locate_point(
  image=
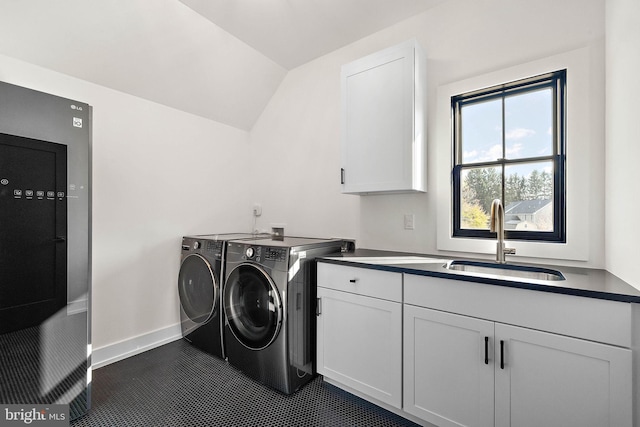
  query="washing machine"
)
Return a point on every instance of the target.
[
  {"x": 269, "y": 306},
  {"x": 200, "y": 289}
]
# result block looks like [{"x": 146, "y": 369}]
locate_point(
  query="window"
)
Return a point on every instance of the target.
[{"x": 509, "y": 145}]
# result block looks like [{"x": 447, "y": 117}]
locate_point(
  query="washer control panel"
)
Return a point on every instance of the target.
[{"x": 264, "y": 253}]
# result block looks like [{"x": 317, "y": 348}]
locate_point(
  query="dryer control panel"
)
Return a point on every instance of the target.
[{"x": 275, "y": 254}]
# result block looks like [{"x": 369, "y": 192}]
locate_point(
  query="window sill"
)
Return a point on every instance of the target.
[{"x": 542, "y": 250}]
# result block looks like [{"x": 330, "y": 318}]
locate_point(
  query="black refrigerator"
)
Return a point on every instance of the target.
[{"x": 45, "y": 249}]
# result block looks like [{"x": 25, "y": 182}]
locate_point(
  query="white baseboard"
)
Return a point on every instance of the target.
[{"x": 130, "y": 347}]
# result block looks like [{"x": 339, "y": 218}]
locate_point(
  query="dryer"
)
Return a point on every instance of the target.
[
  {"x": 200, "y": 289},
  {"x": 269, "y": 307}
]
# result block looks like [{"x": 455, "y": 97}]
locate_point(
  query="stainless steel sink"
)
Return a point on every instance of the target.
[{"x": 505, "y": 270}]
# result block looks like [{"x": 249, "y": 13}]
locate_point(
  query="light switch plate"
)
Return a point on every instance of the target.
[{"x": 409, "y": 222}]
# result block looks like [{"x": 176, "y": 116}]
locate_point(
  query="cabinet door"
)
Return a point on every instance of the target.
[
  {"x": 556, "y": 381},
  {"x": 448, "y": 368},
  {"x": 360, "y": 343},
  {"x": 382, "y": 129}
]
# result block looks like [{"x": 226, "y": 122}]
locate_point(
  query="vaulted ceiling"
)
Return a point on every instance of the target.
[
  {"x": 220, "y": 59},
  {"x": 292, "y": 32}
]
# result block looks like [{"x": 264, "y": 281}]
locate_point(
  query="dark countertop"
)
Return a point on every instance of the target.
[{"x": 583, "y": 282}]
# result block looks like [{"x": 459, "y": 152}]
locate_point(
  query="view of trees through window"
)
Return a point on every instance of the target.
[{"x": 480, "y": 186}]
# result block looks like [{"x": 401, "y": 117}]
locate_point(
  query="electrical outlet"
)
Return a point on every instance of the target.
[
  {"x": 257, "y": 209},
  {"x": 409, "y": 222}
]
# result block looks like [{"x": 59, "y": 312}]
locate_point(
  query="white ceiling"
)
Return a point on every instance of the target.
[
  {"x": 293, "y": 32},
  {"x": 220, "y": 59}
]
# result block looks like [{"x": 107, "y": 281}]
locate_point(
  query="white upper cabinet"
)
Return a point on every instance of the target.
[{"x": 383, "y": 121}]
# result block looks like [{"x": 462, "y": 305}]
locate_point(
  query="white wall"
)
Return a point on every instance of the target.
[
  {"x": 156, "y": 176},
  {"x": 623, "y": 139},
  {"x": 462, "y": 39},
  {"x": 295, "y": 172}
]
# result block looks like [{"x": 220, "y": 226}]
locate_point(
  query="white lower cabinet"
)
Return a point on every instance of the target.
[
  {"x": 553, "y": 380},
  {"x": 464, "y": 371},
  {"x": 359, "y": 330},
  {"x": 446, "y": 380},
  {"x": 457, "y": 353}
]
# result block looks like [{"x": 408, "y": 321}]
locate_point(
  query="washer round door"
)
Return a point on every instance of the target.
[
  {"x": 197, "y": 288},
  {"x": 253, "y": 306}
]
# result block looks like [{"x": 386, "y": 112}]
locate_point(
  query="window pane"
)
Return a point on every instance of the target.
[
  {"x": 529, "y": 124},
  {"x": 479, "y": 187},
  {"x": 528, "y": 202},
  {"x": 481, "y": 131}
]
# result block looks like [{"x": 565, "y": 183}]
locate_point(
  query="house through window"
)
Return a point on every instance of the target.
[{"x": 509, "y": 145}]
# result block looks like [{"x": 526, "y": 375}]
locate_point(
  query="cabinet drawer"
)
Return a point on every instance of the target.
[{"x": 362, "y": 281}]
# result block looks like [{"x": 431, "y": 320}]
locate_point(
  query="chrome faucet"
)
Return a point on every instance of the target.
[{"x": 497, "y": 226}]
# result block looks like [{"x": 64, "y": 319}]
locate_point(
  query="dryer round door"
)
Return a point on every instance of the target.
[
  {"x": 253, "y": 306},
  {"x": 197, "y": 288}
]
